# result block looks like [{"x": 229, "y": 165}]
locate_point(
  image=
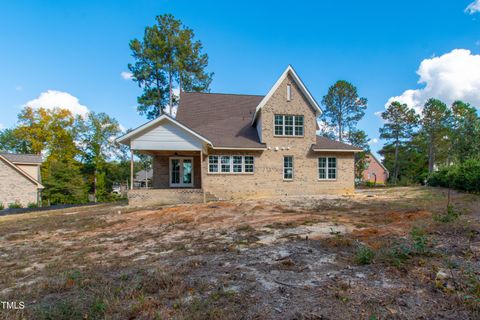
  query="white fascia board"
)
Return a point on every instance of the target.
[
  {"x": 337, "y": 150},
  {"x": 277, "y": 84},
  {"x": 126, "y": 137}
]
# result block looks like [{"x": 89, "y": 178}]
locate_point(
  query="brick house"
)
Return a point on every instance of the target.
[
  {"x": 20, "y": 180},
  {"x": 375, "y": 171},
  {"x": 227, "y": 146}
]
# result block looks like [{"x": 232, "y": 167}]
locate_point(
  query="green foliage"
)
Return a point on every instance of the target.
[
  {"x": 14, "y": 205},
  {"x": 462, "y": 176},
  {"x": 436, "y": 124},
  {"x": 419, "y": 240},
  {"x": 167, "y": 55},
  {"x": 2, "y": 206},
  {"x": 466, "y": 131},
  {"x": 398, "y": 254},
  {"x": 364, "y": 255},
  {"x": 63, "y": 183},
  {"x": 449, "y": 216},
  {"x": 400, "y": 121},
  {"x": 10, "y": 141},
  {"x": 32, "y": 205},
  {"x": 343, "y": 107}
]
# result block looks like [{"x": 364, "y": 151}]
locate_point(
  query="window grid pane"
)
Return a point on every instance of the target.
[
  {"x": 248, "y": 164},
  {"x": 327, "y": 168},
  {"x": 213, "y": 164},
  {"x": 288, "y": 167},
  {"x": 225, "y": 160},
  {"x": 237, "y": 164},
  {"x": 288, "y": 125}
]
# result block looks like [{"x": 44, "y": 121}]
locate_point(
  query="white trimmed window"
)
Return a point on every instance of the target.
[
  {"x": 287, "y": 168},
  {"x": 287, "y": 125},
  {"x": 230, "y": 164},
  {"x": 327, "y": 168}
]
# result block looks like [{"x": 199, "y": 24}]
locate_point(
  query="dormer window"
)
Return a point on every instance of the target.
[
  {"x": 289, "y": 92},
  {"x": 288, "y": 126}
]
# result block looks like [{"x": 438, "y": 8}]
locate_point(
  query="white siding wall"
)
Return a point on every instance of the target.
[{"x": 166, "y": 136}]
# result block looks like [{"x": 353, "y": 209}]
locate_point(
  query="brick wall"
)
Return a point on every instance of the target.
[
  {"x": 146, "y": 197},
  {"x": 14, "y": 187},
  {"x": 161, "y": 167},
  {"x": 268, "y": 177},
  {"x": 375, "y": 169}
]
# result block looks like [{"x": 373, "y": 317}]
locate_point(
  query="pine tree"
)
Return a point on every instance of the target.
[{"x": 400, "y": 121}]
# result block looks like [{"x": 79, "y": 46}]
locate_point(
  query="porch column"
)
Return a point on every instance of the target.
[
  {"x": 131, "y": 168},
  {"x": 202, "y": 177}
]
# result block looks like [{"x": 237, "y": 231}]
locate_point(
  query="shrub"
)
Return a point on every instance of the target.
[
  {"x": 32, "y": 205},
  {"x": 14, "y": 205},
  {"x": 2, "y": 206},
  {"x": 464, "y": 176},
  {"x": 399, "y": 254},
  {"x": 364, "y": 255}
]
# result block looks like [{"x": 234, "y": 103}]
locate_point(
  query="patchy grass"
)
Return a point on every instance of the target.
[{"x": 288, "y": 258}]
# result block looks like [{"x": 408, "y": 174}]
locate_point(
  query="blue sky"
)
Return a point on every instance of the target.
[{"x": 81, "y": 48}]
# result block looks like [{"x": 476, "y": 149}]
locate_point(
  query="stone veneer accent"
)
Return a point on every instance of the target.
[{"x": 14, "y": 187}]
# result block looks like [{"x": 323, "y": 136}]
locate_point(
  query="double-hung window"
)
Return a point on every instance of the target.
[
  {"x": 287, "y": 125},
  {"x": 327, "y": 168},
  {"x": 230, "y": 164},
  {"x": 287, "y": 168}
]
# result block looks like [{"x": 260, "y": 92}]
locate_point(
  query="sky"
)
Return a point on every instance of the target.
[{"x": 75, "y": 53}]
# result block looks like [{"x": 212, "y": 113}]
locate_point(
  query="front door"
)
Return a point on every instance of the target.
[{"x": 181, "y": 172}]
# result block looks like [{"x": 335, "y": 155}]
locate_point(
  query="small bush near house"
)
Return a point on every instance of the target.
[
  {"x": 2, "y": 206},
  {"x": 32, "y": 205},
  {"x": 364, "y": 255},
  {"x": 14, "y": 205},
  {"x": 464, "y": 176}
]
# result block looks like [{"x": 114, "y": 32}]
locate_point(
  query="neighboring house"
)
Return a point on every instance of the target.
[
  {"x": 20, "y": 180},
  {"x": 143, "y": 178},
  {"x": 227, "y": 146},
  {"x": 375, "y": 171}
]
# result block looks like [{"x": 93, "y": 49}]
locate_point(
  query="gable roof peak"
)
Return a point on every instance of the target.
[{"x": 288, "y": 71}]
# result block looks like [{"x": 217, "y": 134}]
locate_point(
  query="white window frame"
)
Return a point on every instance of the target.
[
  {"x": 181, "y": 184},
  {"x": 327, "y": 167},
  {"x": 219, "y": 164},
  {"x": 294, "y": 125},
  {"x": 283, "y": 168}
]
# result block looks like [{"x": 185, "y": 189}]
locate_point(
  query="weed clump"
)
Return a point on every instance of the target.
[{"x": 364, "y": 255}]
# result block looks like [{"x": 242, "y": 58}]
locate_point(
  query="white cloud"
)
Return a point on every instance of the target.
[
  {"x": 126, "y": 75},
  {"x": 18, "y": 88},
  {"x": 57, "y": 99},
  {"x": 473, "y": 7},
  {"x": 373, "y": 141},
  {"x": 1, "y": 126},
  {"x": 452, "y": 76}
]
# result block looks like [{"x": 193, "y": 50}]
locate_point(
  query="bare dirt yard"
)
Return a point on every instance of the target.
[{"x": 394, "y": 253}]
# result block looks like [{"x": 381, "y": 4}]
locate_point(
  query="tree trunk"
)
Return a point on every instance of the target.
[
  {"x": 159, "y": 98},
  {"x": 95, "y": 185},
  {"x": 395, "y": 164},
  {"x": 171, "y": 90},
  {"x": 431, "y": 155}
]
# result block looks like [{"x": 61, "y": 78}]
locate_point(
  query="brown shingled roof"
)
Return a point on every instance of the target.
[
  {"x": 224, "y": 119},
  {"x": 329, "y": 144},
  {"x": 22, "y": 158}
]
